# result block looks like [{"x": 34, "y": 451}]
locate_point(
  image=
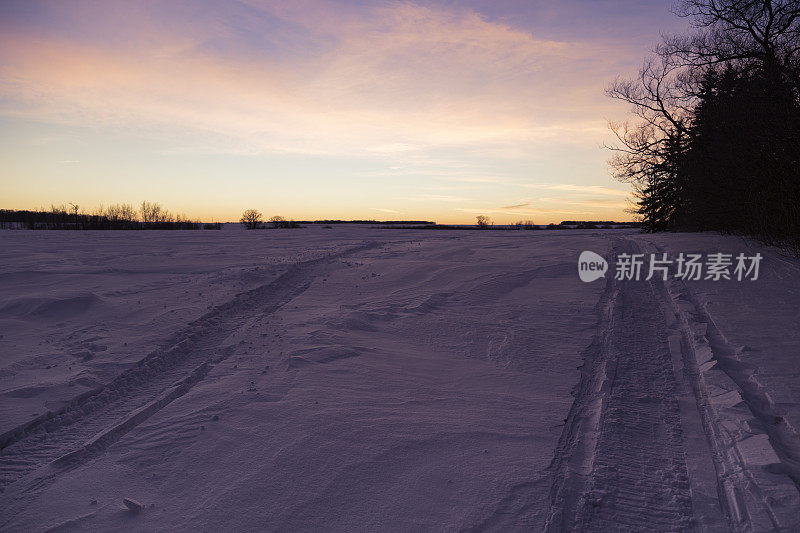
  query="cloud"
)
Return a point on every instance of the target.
[
  {"x": 382, "y": 210},
  {"x": 553, "y": 206},
  {"x": 537, "y": 211},
  {"x": 601, "y": 203},
  {"x": 437, "y": 198},
  {"x": 524, "y": 204},
  {"x": 452, "y": 187},
  {"x": 385, "y": 79},
  {"x": 393, "y": 148},
  {"x": 579, "y": 189},
  {"x": 475, "y": 179},
  {"x": 462, "y": 100}
]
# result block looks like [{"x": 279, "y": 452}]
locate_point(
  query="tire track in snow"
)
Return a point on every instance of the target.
[
  {"x": 91, "y": 423},
  {"x": 574, "y": 456},
  {"x": 620, "y": 463},
  {"x": 640, "y": 479},
  {"x": 752, "y": 498}
]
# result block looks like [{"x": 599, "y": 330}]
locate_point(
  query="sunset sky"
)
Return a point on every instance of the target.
[{"x": 320, "y": 109}]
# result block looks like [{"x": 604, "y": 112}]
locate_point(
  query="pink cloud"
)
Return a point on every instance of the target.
[{"x": 394, "y": 75}]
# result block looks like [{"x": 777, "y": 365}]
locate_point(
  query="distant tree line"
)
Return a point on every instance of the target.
[
  {"x": 149, "y": 216},
  {"x": 519, "y": 225},
  {"x": 717, "y": 143},
  {"x": 596, "y": 223},
  {"x": 254, "y": 219},
  {"x": 328, "y": 222},
  {"x": 278, "y": 221}
]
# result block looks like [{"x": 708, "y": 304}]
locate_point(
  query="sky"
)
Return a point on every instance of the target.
[{"x": 328, "y": 109}]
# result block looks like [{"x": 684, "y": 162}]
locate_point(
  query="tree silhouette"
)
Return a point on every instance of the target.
[
  {"x": 482, "y": 221},
  {"x": 717, "y": 142},
  {"x": 251, "y": 218},
  {"x": 75, "y": 208},
  {"x": 280, "y": 222}
]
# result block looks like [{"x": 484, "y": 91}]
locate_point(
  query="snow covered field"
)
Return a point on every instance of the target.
[{"x": 372, "y": 379}]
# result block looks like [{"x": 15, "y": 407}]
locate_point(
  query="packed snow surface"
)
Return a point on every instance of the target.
[{"x": 357, "y": 378}]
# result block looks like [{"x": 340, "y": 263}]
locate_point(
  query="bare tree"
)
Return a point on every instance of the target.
[
  {"x": 148, "y": 211},
  {"x": 278, "y": 221},
  {"x": 164, "y": 215},
  {"x": 749, "y": 34},
  {"x": 126, "y": 212},
  {"x": 153, "y": 213},
  {"x": 75, "y": 208},
  {"x": 120, "y": 213},
  {"x": 483, "y": 221},
  {"x": 753, "y": 38},
  {"x": 251, "y": 218},
  {"x": 524, "y": 224}
]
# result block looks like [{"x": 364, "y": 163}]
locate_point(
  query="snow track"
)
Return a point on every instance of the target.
[
  {"x": 621, "y": 454},
  {"x": 755, "y": 451},
  {"x": 89, "y": 424},
  {"x": 384, "y": 363},
  {"x": 639, "y": 467},
  {"x": 669, "y": 430}
]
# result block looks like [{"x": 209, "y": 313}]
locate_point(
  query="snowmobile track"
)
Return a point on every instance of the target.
[
  {"x": 621, "y": 456},
  {"x": 91, "y": 423}
]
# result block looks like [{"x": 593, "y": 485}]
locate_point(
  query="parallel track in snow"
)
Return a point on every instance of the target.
[
  {"x": 620, "y": 462},
  {"x": 90, "y": 424},
  {"x": 639, "y": 467},
  {"x": 751, "y": 497}
]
